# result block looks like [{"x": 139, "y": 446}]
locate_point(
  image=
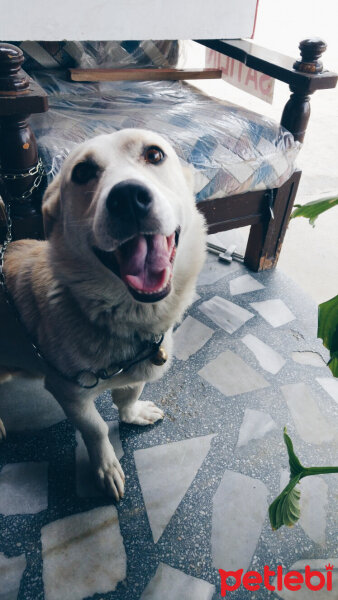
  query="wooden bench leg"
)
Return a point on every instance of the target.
[
  {"x": 22, "y": 180},
  {"x": 266, "y": 238}
]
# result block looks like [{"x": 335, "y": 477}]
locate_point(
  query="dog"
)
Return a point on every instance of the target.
[{"x": 124, "y": 246}]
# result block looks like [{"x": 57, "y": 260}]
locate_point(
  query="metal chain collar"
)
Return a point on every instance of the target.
[
  {"x": 7, "y": 240},
  {"x": 37, "y": 170}
]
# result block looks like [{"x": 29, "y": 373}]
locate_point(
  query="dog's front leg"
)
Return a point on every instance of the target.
[
  {"x": 133, "y": 410},
  {"x": 81, "y": 411}
]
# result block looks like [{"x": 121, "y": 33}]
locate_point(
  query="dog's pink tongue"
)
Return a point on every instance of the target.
[{"x": 145, "y": 262}]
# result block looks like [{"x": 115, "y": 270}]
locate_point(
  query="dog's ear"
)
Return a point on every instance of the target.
[{"x": 51, "y": 206}]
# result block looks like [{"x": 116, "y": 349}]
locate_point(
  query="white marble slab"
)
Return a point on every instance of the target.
[
  {"x": 275, "y": 312},
  {"x": 82, "y": 555},
  {"x": 313, "y": 501},
  {"x": 11, "y": 570},
  {"x": 304, "y": 593},
  {"x": 23, "y": 488},
  {"x": 231, "y": 375},
  {"x": 239, "y": 511},
  {"x": 330, "y": 385},
  {"x": 26, "y": 405},
  {"x": 268, "y": 358},
  {"x": 172, "y": 584},
  {"x": 225, "y": 314},
  {"x": 165, "y": 473},
  {"x": 85, "y": 482},
  {"x": 255, "y": 425},
  {"x": 214, "y": 270},
  {"x": 190, "y": 337},
  {"x": 310, "y": 423},
  {"x": 244, "y": 284},
  {"x": 305, "y": 357}
]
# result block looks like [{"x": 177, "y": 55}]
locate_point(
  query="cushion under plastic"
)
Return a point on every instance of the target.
[{"x": 232, "y": 150}]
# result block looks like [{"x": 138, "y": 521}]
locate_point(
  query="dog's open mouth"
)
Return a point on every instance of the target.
[{"x": 145, "y": 264}]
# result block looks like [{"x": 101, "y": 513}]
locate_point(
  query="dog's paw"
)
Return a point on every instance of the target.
[
  {"x": 110, "y": 476},
  {"x": 142, "y": 412},
  {"x": 2, "y": 431}
]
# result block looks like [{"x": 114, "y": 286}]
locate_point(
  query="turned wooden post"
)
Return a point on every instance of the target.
[
  {"x": 296, "y": 113},
  {"x": 20, "y": 96}
]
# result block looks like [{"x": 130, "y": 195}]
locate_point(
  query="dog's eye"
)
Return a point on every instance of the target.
[
  {"x": 84, "y": 172},
  {"x": 153, "y": 155}
]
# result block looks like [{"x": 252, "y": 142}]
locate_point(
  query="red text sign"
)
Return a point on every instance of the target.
[{"x": 237, "y": 74}]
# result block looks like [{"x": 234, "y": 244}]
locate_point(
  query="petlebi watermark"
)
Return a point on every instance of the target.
[{"x": 276, "y": 580}]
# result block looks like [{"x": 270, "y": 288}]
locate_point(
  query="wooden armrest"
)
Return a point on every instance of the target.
[
  {"x": 305, "y": 75},
  {"x": 147, "y": 74}
]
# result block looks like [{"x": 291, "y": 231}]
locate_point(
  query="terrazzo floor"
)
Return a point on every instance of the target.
[{"x": 198, "y": 485}]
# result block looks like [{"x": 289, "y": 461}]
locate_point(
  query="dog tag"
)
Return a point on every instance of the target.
[{"x": 160, "y": 357}]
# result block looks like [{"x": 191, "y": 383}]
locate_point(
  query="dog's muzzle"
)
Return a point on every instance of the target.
[{"x": 143, "y": 260}]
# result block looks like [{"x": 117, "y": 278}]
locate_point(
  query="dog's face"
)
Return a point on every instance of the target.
[{"x": 123, "y": 199}]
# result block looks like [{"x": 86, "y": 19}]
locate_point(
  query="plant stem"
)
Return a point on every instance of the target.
[{"x": 318, "y": 471}]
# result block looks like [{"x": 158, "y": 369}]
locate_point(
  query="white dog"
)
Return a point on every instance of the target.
[{"x": 125, "y": 244}]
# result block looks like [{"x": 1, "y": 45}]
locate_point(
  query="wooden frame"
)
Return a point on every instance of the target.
[{"x": 20, "y": 96}]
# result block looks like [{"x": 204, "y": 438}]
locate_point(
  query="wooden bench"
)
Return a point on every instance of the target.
[{"x": 23, "y": 182}]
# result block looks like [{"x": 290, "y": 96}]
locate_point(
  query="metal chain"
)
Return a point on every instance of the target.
[
  {"x": 7, "y": 240},
  {"x": 32, "y": 171},
  {"x": 38, "y": 170}
]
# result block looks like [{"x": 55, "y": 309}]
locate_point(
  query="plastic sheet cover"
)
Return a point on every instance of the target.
[{"x": 231, "y": 150}]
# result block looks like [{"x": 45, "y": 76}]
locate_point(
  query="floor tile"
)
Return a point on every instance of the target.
[
  {"x": 165, "y": 473},
  {"x": 231, "y": 375},
  {"x": 23, "y": 488},
  {"x": 239, "y": 511},
  {"x": 11, "y": 570},
  {"x": 313, "y": 501},
  {"x": 310, "y": 423},
  {"x": 255, "y": 425},
  {"x": 225, "y": 314},
  {"x": 190, "y": 337},
  {"x": 244, "y": 284},
  {"x": 274, "y": 311},
  {"x": 172, "y": 584},
  {"x": 268, "y": 358},
  {"x": 82, "y": 555},
  {"x": 330, "y": 385}
]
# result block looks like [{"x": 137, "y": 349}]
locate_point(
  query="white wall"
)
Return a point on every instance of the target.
[{"x": 126, "y": 19}]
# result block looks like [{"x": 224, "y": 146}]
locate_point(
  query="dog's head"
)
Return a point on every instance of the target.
[{"x": 122, "y": 200}]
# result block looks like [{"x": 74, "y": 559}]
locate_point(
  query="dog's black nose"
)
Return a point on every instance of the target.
[{"x": 129, "y": 199}]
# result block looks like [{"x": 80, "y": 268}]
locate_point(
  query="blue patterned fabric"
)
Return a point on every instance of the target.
[{"x": 231, "y": 150}]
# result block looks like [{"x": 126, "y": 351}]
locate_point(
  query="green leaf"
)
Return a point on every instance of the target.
[
  {"x": 295, "y": 465},
  {"x": 312, "y": 210},
  {"x": 328, "y": 330},
  {"x": 285, "y": 509}
]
